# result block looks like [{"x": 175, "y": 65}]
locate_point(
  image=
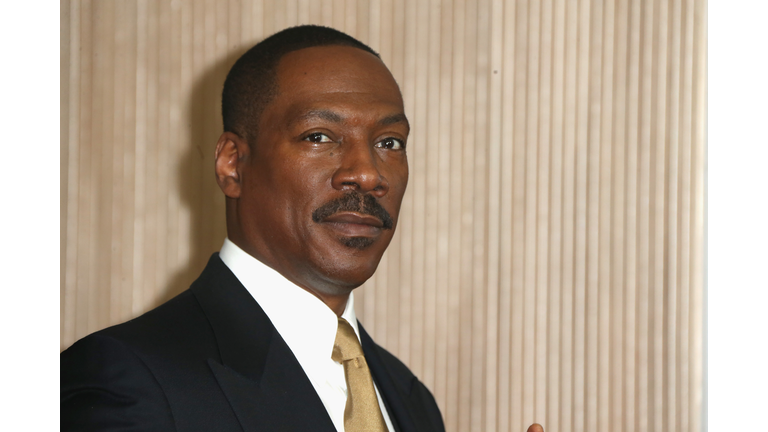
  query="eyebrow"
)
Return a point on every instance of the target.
[
  {"x": 396, "y": 118},
  {"x": 334, "y": 117},
  {"x": 321, "y": 114}
]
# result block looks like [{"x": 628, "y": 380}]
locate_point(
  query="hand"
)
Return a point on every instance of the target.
[{"x": 535, "y": 428}]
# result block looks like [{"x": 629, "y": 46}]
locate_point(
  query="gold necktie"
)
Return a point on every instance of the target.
[{"x": 362, "y": 413}]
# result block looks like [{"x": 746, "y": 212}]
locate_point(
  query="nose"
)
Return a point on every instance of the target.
[{"x": 359, "y": 171}]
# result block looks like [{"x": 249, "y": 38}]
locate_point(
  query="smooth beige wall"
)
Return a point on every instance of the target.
[{"x": 548, "y": 263}]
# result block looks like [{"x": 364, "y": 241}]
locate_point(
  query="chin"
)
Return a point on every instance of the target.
[
  {"x": 346, "y": 263},
  {"x": 359, "y": 243}
]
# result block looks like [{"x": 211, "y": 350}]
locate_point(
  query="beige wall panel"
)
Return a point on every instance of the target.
[{"x": 549, "y": 260}]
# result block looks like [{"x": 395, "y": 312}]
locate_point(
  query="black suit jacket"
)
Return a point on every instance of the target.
[{"x": 210, "y": 360}]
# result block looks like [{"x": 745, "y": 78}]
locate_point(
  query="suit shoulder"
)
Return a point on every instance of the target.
[
  {"x": 179, "y": 322},
  {"x": 149, "y": 373},
  {"x": 177, "y": 325}
]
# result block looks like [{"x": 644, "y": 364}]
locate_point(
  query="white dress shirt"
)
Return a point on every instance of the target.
[{"x": 306, "y": 324}]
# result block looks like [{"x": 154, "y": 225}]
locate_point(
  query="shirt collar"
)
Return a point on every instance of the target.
[{"x": 306, "y": 324}]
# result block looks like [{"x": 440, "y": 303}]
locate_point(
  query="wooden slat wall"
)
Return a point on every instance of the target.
[{"x": 548, "y": 265}]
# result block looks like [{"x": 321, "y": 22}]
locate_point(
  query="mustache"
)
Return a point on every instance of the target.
[{"x": 354, "y": 202}]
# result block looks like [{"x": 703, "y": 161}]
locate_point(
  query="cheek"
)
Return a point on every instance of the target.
[
  {"x": 306, "y": 190},
  {"x": 311, "y": 177},
  {"x": 397, "y": 188},
  {"x": 397, "y": 173}
]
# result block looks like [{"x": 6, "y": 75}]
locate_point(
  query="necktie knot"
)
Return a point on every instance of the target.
[{"x": 347, "y": 346}]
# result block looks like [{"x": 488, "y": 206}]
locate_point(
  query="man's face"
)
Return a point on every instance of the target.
[{"x": 323, "y": 183}]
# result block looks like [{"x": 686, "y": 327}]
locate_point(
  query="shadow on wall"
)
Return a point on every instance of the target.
[{"x": 197, "y": 188}]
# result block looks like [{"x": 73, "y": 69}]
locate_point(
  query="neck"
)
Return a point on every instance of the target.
[
  {"x": 334, "y": 295},
  {"x": 337, "y": 303}
]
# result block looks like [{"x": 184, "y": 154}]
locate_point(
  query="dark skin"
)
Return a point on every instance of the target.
[{"x": 336, "y": 126}]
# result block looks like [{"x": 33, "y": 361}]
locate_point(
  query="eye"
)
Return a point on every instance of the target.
[
  {"x": 318, "y": 137},
  {"x": 391, "y": 144}
]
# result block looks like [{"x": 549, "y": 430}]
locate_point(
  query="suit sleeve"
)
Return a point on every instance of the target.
[{"x": 106, "y": 386}]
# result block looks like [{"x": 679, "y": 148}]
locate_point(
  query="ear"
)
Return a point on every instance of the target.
[{"x": 231, "y": 150}]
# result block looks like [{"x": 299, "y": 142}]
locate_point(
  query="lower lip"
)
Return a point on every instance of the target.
[{"x": 346, "y": 229}]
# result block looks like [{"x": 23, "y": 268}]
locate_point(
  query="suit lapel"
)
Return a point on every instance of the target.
[
  {"x": 258, "y": 373},
  {"x": 283, "y": 399}
]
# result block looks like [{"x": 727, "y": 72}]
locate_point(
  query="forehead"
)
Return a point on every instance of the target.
[{"x": 336, "y": 73}]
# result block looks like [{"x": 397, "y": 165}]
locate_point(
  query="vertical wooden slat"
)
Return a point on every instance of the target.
[
  {"x": 117, "y": 110},
  {"x": 582, "y": 395},
  {"x": 80, "y": 276},
  {"x": 554, "y": 420},
  {"x": 468, "y": 220},
  {"x": 698, "y": 157},
  {"x": 72, "y": 141},
  {"x": 279, "y": 15},
  {"x": 126, "y": 205},
  {"x": 519, "y": 81},
  {"x": 479, "y": 211},
  {"x": 605, "y": 288},
  {"x": 418, "y": 182},
  {"x": 102, "y": 14},
  {"x": 454, "y": 398},
  {"x": 445, "y": 312},
  {"x": 65, "y": 96},
  {"x": 185, "y": 135},
  {"x": 686, "y": 237},
  {"x": 631, "y": 304},
  {"x": 432, "y": 99},
  {"x": 492, "y": 311},
  {"x": 149, "y": 154},
  {"x": 350, "y": 17},
  {"x": 163, "y": 153},
  {"x": 507, "y": 346},
  {"x": 337, "y": 12},
  {"x": 659, "y": 252},
  {"x": 548, "y": 260},
  {"x": 644, "y": 322},
  {"x": 569, "y": 398},
  {"x": 542, "y": 285},
  {"x": 176, "y": 141},
  {"x": 420, "y": 177},
  {"x": 618, "y": 287},
  {"x": 672, "y": 234},
  {"x": 140, "y": 137},
  {"x": 105, "y": 195},
  {"x": 529, "y": 110},
  {"x": 593, "y": 176}
]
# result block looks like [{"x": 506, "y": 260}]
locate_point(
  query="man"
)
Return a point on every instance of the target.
[{"x": 313, "y": 166}]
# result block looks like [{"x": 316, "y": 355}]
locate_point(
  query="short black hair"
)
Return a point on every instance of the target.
[{"x": 252, "y": 82}]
